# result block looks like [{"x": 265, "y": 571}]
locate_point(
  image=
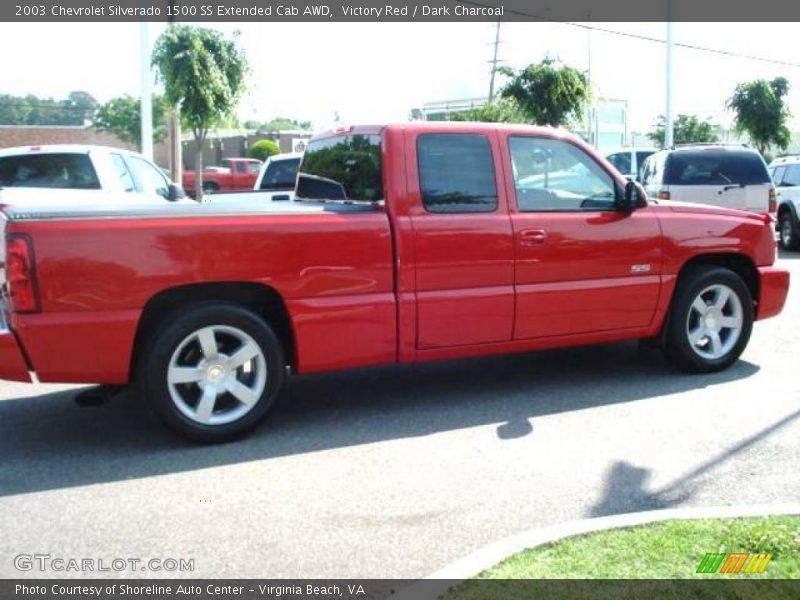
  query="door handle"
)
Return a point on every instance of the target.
[{"x": 532, "y": 237}]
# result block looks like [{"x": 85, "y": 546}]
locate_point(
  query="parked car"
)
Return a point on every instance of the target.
[
  {"x": 629, "y": 161},
  {"x": 785, "y": 172},
  {"x": 234, "y": 174},
  {"x": 121, "y": 175},
  {"x": 406, "y": 243},
  {"x": 729, "y": 176},
  {"x": 275, "y": 182}
]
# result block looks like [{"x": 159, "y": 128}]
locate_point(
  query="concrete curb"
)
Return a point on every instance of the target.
[{"x": 489, "y": 555}]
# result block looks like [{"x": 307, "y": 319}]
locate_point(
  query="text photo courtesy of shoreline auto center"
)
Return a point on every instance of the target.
[{"x": 458, "y": 300}]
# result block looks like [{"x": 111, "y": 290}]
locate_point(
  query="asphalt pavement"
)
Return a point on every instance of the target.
[{"x": 397, "y": 471}]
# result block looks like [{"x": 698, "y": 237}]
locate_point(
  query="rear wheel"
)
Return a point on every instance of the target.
[
  {"x": 710, "y": 321},
  {"x": 210, "y": 187},
  {"x": 789, "y": 234},
  {"x": 213, "y": 373}
]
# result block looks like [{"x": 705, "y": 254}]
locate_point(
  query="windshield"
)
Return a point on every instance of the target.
[{"x": 346, "y": 167}]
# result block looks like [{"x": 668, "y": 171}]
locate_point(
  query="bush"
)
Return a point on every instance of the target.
[{"x": 263, "y": 149}]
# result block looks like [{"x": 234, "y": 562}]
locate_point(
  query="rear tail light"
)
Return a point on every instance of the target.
[
  {"x": 21, "y": 275},
  {"x": 663, "y": 195},
  {"x": 773, "y": 201}
]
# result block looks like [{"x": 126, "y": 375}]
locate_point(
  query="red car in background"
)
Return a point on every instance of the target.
[{"x": 235, "y": 174}]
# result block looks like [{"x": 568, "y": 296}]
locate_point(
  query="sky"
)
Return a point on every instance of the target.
[{"x": 378, "y": 72}]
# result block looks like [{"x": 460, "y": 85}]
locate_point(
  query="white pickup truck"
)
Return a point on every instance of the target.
[
  {"x": 275, "y": 182},
  {"x": 103, "y": 174}
]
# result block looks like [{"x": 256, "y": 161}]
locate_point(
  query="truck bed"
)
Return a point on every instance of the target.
[{"x": 100, "y": 267}]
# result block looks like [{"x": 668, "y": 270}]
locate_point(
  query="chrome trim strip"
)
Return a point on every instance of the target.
[{"x": 200, "y": 211}]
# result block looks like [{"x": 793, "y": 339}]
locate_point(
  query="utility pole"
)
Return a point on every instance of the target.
[
  {"x": 174, "y": 148},
  {"x": 669, "y": 139},
  {"x": 145, "y": 91},
  {"x": 494, "y": 60},
  {"x": 590, "y": 112}
]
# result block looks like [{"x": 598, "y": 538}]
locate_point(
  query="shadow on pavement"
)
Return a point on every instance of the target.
[
  {"x": 49, "y": 442},
  {"x": 625, "y": 490}
]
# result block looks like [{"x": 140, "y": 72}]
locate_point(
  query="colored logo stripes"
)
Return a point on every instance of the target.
[{"x": 735, "y": 562}]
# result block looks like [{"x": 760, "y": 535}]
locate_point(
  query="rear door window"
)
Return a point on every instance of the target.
[
  {"x": 56, "y": 170},
  {"x": 723, "y": 167},
  {"x": 456, "y": 173}
]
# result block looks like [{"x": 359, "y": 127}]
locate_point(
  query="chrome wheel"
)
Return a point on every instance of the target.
[
  {"x": 715, "y": 321},
  {"x": 216, "y": 375}
]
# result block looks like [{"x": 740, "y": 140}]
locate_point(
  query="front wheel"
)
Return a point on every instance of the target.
[
  {"x": 710, "y": 321},
  {"x": 213, "y": 373},
  {"x": 789, "y": 234}
]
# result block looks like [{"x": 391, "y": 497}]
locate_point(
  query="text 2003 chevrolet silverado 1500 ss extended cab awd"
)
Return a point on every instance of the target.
[{"x": 464, "y": 239}]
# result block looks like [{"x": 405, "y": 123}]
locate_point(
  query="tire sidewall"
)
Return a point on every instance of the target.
[
  {"x": 678, "y": 345},
  {"x": 794, "y": 242},
  {"x": 152, "y": 373}
]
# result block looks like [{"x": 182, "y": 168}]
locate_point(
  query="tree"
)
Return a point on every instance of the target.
[
  {"x": 499, "y": 111},
  {"x": 77, "y": 108},
  {"x": 203, "y": 75},
  {"x": 416, "y": 114},
  {"x": 761, "y": 112},
  {"x": 547, "y": 93},
  {"x": 277, "y": 124},
  {"x": 263, "y": 149},
  {"x": 686, "y": 129},
  {"x": 122, "y": 117}
]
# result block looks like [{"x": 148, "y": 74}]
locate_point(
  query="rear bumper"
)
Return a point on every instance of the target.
[
  {"x": 774, "y": 286},
  {"x": 12, "y": 362}
]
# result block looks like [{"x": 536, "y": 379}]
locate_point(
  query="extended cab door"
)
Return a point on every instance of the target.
[
  {"x": 463, "y": 247},
  {"x": 581, "y": 265}
]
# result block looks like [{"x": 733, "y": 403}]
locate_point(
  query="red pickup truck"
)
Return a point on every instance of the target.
[
  {"x": 407, "y": 243},
  {"x": 235, "y": 174}
]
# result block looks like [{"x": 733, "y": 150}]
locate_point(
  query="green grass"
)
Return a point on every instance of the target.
[{"x": 666, "y": 550}]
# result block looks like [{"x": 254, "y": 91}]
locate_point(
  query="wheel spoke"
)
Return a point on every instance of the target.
[
  {"x": 242, "y": 393},
  {"x": 245, "y": 352},
  {"x": 731, "y": 322},
  {"x": 184, "y": 374},
  {"x": 205, "y": 408},
  {"x": 700, "y": 305},
  {"x": 715, "y": 342},
  {"x": 696, "y": 335},
  {"x": 208, "y": 342},
  {"x": 722, "y": 297}
]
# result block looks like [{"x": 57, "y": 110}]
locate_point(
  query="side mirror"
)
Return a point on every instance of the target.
[
  {"x": 175, "y": 192},
  {"x": 632, "y": 198}
]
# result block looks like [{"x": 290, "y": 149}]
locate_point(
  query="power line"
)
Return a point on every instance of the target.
[{"x": 641, "y": 37}]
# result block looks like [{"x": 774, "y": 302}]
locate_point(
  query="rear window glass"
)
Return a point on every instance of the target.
[
  {"x": 73, "y": 171},
  {"x": 456, "y": 173},
  {"x": 280, "y": 175},
  {"x": 346, "y": 167},
  {"x": 723, "y": 167}
]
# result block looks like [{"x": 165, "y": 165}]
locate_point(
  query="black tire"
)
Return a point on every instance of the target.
[
  {"x": 788, "y": 230},
  {"x": 164, "y": 349},
  {"x": 209, "y": 187},
  {"x": 679, "y": 349}
]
